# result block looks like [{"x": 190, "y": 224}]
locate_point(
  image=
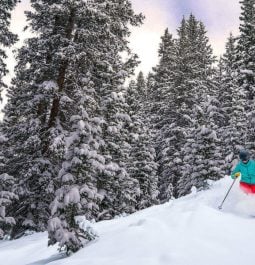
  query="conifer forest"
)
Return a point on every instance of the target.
[{"x": 84, "y": 137}]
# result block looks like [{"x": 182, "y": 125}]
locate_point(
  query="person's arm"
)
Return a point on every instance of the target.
[{"x": 235, "y": 171}]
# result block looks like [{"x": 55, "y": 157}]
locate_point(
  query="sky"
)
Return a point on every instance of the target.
[{"x": 220, "y": 17}]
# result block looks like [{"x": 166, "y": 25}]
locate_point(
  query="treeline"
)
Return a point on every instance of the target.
[{"x": 75, "y": 141}]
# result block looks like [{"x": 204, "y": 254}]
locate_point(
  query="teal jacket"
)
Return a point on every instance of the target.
[{"x": 247, "y": 171}]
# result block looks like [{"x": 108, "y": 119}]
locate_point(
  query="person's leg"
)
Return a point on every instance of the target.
[
  {"x": 253, "y": 188},
  {"x": 245, "y": 187}
]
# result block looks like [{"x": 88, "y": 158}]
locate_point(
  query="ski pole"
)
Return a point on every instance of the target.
[{"x": 220, "y": 207}]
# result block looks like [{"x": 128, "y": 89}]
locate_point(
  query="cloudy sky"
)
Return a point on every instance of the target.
[{"x": 220, "y": 17}]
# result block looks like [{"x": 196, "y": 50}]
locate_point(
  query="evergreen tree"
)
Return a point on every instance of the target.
[
  {"x": 77, "y": 193},
  {"x": 232, "y": 98},
  {"x": 6, "y": 182},
  {"x": 40, "y": 105},
  {"x": 245, "y": 65},
  {"x": 183, "y": 79},
  {"x": 141, "y": 86},
  {"x": 119, "y": 189},
  {"x": 6, "y": 37},
  {"x": 7, "y": 195},
  {"x": 142, "y": 157},
  {"x": 68, "y": 112},
  {"x": 202, "y": 157},
  {"x": 97, "y": 158},
  {"x": 195, "y": 81},
  {"x": 36, "y": 113},
  {"x": 163, "y": 77},
  {"x": 163, "y": 111}
]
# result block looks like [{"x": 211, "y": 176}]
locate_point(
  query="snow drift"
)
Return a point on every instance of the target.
[{"x": 187, "y": 231}]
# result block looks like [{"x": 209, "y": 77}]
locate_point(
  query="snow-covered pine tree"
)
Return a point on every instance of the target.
[
  {"x": 150, "y": 83},
  {"x": 52, "y": 67},
  {"x": 245, "y": 65},
  {"x": 163, "y": 110},
  {"x": 94, "y": 181},
  {"x": 189, "y": 76},
  {"x": 163, "y": 78},
  {"x": 77, "y": 180},
  {"x": 141, "y": 86},
  {"x": 193, "y": 82},
  {"x": 7, "y": 195},
  {"x": 26, "y": 122},
  {"x": 50, "y": 70},
  {"x": 76, "y": 183},
  {"x": 119, "y": 189},
  {"x": 174, "y": 132},
  {"x": 149, "y": 104},
  {"x": 232, "y": 98},
  {"x": 142, "y": 165},
  {"x": 202, "y": 154},
  {"x": 7, "y": 38},
  {"x": 6, "y": 198}
]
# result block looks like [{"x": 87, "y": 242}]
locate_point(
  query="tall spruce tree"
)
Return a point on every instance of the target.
[
  {"x": 38, "y": 111},
  {"x": 98, "y": 156},
  {"x": 163, "y": 77},
  {"x": 202, "y": 155},
  {"x": 141, "y": 86},
  {"x": 186, "y": 82},
  {"x": 7, "y": 38},
  {"x": 28, "y": 122},
  {"x": 119, "y": 189},
  {"x": 245, "y": 65},
  {"x": 233, "y": 101},
  {"x": 76, "y": 184},
  {"x": 40, "y": 105},
  {"x": 163, "y": 109},
  {"x": 67, "y": 109},
  {"x": 142, "y": 156},
  {"x": 195, "y": 81},
  {"x": 7, "y": 195}
]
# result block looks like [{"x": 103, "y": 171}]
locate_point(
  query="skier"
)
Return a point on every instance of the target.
[{"x": 246, "y": 169}]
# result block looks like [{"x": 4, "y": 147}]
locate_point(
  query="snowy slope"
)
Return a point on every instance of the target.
[{"x": 187, "y": 231}]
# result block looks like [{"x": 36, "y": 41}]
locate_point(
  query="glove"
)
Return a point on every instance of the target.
[{"x": 237, "y": 175}]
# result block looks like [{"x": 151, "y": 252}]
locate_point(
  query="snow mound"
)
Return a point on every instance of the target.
[{"x": 187, "y": 231}]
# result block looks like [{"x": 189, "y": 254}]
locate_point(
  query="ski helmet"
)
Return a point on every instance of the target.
[{"x": 244, "y": 155}]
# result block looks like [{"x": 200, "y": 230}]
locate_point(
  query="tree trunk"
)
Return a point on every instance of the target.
[{"x": 62, "y": 73}]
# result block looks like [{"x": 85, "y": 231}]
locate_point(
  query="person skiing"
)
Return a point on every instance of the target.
[{"x": 246, "y": 169}]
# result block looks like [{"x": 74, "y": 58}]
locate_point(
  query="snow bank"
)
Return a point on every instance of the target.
[{"x": 187, "y": 231}]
